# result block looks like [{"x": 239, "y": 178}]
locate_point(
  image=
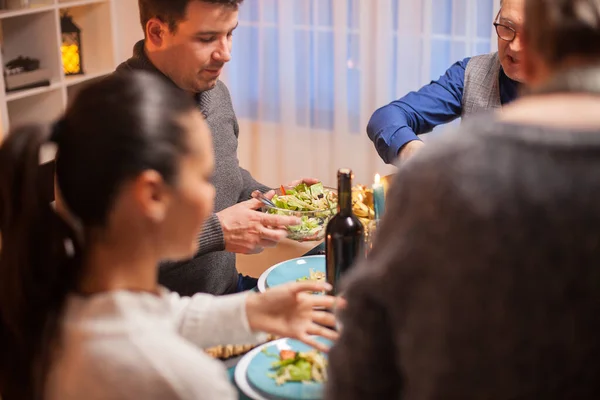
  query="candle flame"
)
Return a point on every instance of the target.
[{"x": 377, "y": 178}]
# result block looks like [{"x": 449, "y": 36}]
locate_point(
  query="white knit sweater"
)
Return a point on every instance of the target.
[{"x": 124, "y": 345}]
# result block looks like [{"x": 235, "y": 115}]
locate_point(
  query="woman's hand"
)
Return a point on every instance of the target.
[{"x": 289, "y": 311}]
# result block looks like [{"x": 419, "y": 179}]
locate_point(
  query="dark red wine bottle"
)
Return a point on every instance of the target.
[{"x": 344, "y": 236}]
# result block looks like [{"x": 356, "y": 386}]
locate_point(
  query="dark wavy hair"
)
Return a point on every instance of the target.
[
  {"x": 172, "y": 12},
  {"x": 115, "y": 129}
]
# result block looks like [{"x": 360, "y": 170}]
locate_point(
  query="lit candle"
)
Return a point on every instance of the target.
[{"x": 378, "y": 197}]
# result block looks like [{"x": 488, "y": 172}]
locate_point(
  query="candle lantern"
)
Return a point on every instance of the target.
[{"x": 70, "y": 47}]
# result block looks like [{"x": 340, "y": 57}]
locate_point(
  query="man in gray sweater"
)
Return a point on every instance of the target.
[{"x": 188, "y": 42}]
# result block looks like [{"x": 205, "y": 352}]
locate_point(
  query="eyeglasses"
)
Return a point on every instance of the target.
[{"x": 504, "y": 32}]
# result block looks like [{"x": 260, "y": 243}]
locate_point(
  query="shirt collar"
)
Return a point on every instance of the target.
[{"x": 509, "y": 89}]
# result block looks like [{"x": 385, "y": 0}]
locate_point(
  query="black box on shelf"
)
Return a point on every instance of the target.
[{"x": 27, "y": 80}]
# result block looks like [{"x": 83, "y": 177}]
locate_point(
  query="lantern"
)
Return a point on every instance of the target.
[{"x": 70, "y": 46}]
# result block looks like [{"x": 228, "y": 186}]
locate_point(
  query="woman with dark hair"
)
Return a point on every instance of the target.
[
  {"x": 81, "y": 313},
  {"x": 485, "y": 280}
]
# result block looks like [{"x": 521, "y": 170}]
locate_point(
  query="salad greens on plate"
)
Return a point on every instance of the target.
[
  {"x": 314, "y": 276},
  {"x": 314, "y": 204},
  {"x": 292, "y": 366}
]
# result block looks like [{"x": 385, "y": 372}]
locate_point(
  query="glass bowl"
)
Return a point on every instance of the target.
[{"x": 314, "y": 223}]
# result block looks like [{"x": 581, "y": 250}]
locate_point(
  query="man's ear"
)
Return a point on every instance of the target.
[
  {"x": 155, "y": 31},
  {"x": 152, "y": 195}
]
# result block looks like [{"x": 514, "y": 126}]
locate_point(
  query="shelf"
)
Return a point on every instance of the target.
[
  {"x": 78, "y": 3},
  {"x": 39, "y": 8},
  {"x": 20, "y": 94},
  {"x": 34, "y": 8},
  {"x": 74, "y": 80},
  {"x": 35, "y": 32},
  {"x": 69, "y": 81},
  {"x": 97, "y": 49},
  {"x": 46, "y": 106},
  {"x": 34, "y": 36}
]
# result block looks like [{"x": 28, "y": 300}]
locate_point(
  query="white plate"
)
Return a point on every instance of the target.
[
  {"x": 262, "y": 280},
  {"x": 241, "y": 370}
]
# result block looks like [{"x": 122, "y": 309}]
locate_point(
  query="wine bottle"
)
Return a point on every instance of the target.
[{"x": 344, "y": 234}]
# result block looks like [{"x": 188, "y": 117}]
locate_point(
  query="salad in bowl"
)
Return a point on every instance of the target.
[{"x": 314, "y": 204}]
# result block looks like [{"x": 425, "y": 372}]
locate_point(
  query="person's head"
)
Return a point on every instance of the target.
[
  {"x": 189, "y": 40},
  {"x": 134, "y": 164},
  {"x": 560, "y": 34},
  {"x": 509, "y": 28}
]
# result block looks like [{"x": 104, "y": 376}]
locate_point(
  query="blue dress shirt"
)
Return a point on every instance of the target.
[{"x": 440, "y": 102}]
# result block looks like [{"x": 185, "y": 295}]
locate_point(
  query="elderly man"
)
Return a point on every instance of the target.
[{"x": 471, "y": 85}]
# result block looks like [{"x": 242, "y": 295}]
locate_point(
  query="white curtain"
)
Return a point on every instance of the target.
[{"x": 306, "y": 75}]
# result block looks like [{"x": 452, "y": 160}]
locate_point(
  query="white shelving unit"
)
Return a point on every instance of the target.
[{"x": 35, "y": 32}]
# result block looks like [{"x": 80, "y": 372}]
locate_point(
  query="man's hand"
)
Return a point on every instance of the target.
[
  {"x": 247, "y": 231},
  {"x": 409, "y": 150}
]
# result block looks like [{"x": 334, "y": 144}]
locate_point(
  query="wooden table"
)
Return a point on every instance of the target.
[{"x": 255, "y": 265}]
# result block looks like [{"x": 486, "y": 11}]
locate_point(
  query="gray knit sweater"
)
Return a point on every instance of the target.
[
  {"x": 212, "y": 270},
  {"x": 485, "y": 280}
]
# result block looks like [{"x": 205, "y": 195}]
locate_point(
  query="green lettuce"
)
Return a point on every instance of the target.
[{"x": 321, "y": 202}]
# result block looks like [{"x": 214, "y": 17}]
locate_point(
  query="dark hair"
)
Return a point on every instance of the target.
[
  {"x": 172, "y": 12},
  {"x": 115, "y": 129},
  {"x": 560, "y": 29}
]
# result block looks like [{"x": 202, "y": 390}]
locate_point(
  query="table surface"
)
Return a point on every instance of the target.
[{"x": 232, "y": 362}]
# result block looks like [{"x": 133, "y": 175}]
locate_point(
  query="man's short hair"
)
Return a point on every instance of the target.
[{"x": 172, "y": 12}]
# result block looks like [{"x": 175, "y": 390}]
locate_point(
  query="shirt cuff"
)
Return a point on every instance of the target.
[
  {"x": 223, "y": 318},
  {"x": 397, "y": 141},
  {"x": 211, "y": 238}
]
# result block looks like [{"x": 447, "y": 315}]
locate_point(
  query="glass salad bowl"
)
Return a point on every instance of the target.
[{"x": 315, "y": 205}]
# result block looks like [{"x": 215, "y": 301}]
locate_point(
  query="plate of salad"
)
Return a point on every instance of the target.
[
  {"x": 294, "y": 270},
  {"x": 283, "y": 369},
  {"x": 314, "y": 204}
]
